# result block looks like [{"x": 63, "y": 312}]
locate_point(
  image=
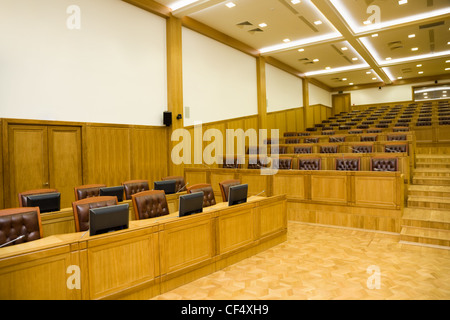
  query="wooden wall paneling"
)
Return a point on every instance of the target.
[
  {"x": 149, "y": 154},
  {"x": 299, "y": 114},
  {"x": 280, "y": 122},
  {"x": 326, "y": 188},
  {"x": 2, "y": 183},
  {"x": 65, "y": 161},
  {"x": 27, "y": 160},
  {"x": 108, "y": 154}
]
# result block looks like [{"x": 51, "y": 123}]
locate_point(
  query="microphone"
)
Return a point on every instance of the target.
[
  {"x": 182, "y": 187},
  {"x": 355, "y": 150},
  {"x": 6, "y": 243},
  {"x": 259, "y": 193}
]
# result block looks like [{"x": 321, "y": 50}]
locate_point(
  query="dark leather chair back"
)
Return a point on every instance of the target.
[
  {"x": 347, "y": 164},
  {"x": 257, "y": 163},
  {"x": 395, "y": 148},
  {"x": 309, "y": 164},
  {"x": 150, "y": 204},
  {"x": 282, "y": 163},
  {"x": 88, "y": 191},
  {"x": 208, "y": 194},
  {"x": 134, "y": 186},
  {"x": 230, "y": 163},
  {"x": 303, "y": 149},
  {"x": 337, "y": 139},
  {"x": 362, "y": 149},
  {"x": 23, "y": 195},
  {"x": 18, "y": 222},
  {"x": 396, "y": 137},
  {"x": 384, "y": 164},
  {"x": 292, "y": 141},
  {"x": 225, "y": 187},
  {"x": 369, "y": 138},
  {"x": 311, "y": 140},
  {"x": 329, "y": 149},
  {"x": 81, "y": 209},
  {"x": 180, "y": 185}
]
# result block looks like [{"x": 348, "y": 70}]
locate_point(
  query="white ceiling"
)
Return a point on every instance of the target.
[{"x": 385, "y": 47}]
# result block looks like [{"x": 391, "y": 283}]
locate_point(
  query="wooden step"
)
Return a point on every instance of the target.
[
  {"x": 431, "y": 172},
  {"x": 429, "y": 191},
  {"x": 436, "y": 203},
  {"x": 434, "y": 181},
  {"x": 433, "y": 164},
  {"x": 425, "y": 236},
  {"x": 426, "y": 218},
  {"x": 433, "y": 157}
]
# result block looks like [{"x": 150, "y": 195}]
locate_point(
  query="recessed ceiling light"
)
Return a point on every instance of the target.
[
  {"x": 399, "y": 78},
  {"x": 344, "y": 48},
  {"x": 420, "y": 72},
  {"x": 375, "y": 35},
  {"x": 230, "y": 5},
  {"x": 414, "y": 49},
  {"x": 374, "y": 78},
  {"x": 402, "y": 2},
  {"x": 301, "y": 50},
  {"x": 286, "y": 40},
  {"x": 388, "y": 58},
  {"x": 355, "y": 59},
  {"x": 180, "y": 4},
  {"x": 344, "y": 79},
  {"x": 327, "y": 68},
  {"x": 368, "y": 72},
  {"x": 444, "y": 95},
  {"x": 412, "y": 36},
  {"x": 351, "y": 83},
  {"x": 425, "y": 93},
  {"x": 444, "y": 91},
  {"x": 446, "y": 69},
  {"x": 316, "y": 60},
  {"x": 263, "y": 25},
  {"x": 419, "y": 65},
  {"x": 448, "y": 42},
  {"x": 318, "y": 22},
  {"x": 367, "y": 22},
  {"x": 295, "y": 1},
  {"x": 448, "y": 61}
]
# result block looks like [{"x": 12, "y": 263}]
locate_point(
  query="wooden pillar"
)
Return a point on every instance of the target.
[
  {"x": 174, "y": 84},
  {"x": 262, "y": 96},
  {"x": 305, "y": 102}
]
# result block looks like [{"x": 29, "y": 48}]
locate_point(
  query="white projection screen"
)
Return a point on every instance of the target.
[
  {"x": 219, "y": 82},
  {"x": 98, "y": 61}
]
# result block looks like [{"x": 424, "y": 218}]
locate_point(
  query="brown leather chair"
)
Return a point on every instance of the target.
[
  {"x": 329, "y": 149},
  {"x": 396, "y": 147},
  {"x": 370, "y": 137},
  {"x": 383, "y": 164},
  {"x": 81, "y": 209},
  {"x": 180, "y": 185},
  {"x": 309, "y": 164},
  {"x": 292, "y": 141},
  {"x": 303, "y": 149},
  {"x": 231, "y": 163},
  {"x": 257, "y": 163},
  {"x": 18, "y": 222},
  {"x": 208, "y": 194},
  {"x": 311, "y": 140},
  {"x": 396, "y": 137},
  {"x": 150, "y": 204},
  {"x": 282, "y": 163},
  {"x": 225, "y": 187},
  {"x": 336, "y": 139},
  {"x": 134, "y": 186},
  {"x": 88, "y": 191},
  {"x": 365, "y": 148},
  {"x": 348, "y": 164},
  {"x": 23, "y": 195}
]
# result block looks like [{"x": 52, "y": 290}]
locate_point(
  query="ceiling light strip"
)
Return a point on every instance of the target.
[
  {"x": 302, "y": 42},
  {"x": 339, "y": 69}
]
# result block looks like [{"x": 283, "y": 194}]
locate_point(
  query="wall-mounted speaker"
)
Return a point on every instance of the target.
[{"x": 167, "y": 118}]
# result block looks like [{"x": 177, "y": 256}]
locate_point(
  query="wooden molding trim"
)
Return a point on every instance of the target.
[{"x": 151, "y": 6}]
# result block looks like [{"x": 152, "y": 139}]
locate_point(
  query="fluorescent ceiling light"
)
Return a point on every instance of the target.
[
  {"x": 354, "y": 24},
  {"x": 412, "y": 36},
  {"x": 414, "y": 49},
  {"x": 301, "y": 50},
  {"x": 431, "y": 89},
  {"x": 180, "y": 4},
  {"x": 301, "y": 42},
  {"x": 334, "y": 70}
]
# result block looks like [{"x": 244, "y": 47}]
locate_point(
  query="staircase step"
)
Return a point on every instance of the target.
[
  {"x": 429, "y": 191},
  {"x": 431, "y": 172},
  {"x": 426, "y": 218},
  {"x": 433, "y": 157},
  {"x": 429, "y": 202},
  {"x": 425, "y": 236},
  {"x": 435, "y": 181},
  {"x": 434, "y": 164}
]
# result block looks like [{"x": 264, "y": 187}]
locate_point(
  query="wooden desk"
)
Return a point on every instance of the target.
[
  {"x": 62, "y": 221},
  {"x": 150, "y": 258}
]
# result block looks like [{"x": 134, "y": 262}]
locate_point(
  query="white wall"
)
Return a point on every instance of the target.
[
  {"x": 387, "y": 94},
  {"x": 319, "y": 96},
  {"x": 219, "y": 82},
  {"x": 284, "y": 91},
  {"x": 112, "y": 70}
]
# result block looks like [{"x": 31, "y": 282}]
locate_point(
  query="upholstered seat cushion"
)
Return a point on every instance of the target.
[
  {"x": 88, "y": 191},
  {"x": 81, "y": 209},
  {"x": 18, "y": 222},
  {"x": 150, "y": 204},
  {"x": 208, "y": 193},
  {"x": 309, "y": 164},
  {"x": 384, "y": 164},
  {"x": 347, "y": 164},
  {"x": 134, "y": 186}
]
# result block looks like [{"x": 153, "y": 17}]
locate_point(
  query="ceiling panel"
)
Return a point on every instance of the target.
[
  {"x": 423, "y": 68},
  {"x": 349, "y": 78}
]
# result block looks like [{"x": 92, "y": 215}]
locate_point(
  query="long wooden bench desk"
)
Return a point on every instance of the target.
[
  {"x": 357, "y": 199},
  {"x": 151, "y": 257}
]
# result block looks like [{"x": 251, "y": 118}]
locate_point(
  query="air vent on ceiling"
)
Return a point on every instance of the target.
[
  {"x": 245, "y": 23},
  {"x": 255, "y": 30}
]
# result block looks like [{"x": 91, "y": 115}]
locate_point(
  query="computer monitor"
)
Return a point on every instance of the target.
[
  {"x": 108, "y": 219},
  {"x": 191, "y": 203},
  {"x": 237, "y": 194},
  {"x": 113, "y": 191},
  {"x": 169, "y": 186},
  {"x": 47, "y": 202}
]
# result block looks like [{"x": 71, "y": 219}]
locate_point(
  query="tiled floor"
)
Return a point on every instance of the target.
[{"x": 318, "y": 262}]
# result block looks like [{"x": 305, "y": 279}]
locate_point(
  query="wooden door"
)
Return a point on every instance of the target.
[
  {"x": 341, "y": 103},
  {"x": 65, "y": 164},
  {"x": 28, "y": 160}
]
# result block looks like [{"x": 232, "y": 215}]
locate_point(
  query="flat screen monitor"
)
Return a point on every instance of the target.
[
  {"x": 191, "y": 203},
  {"x": 237, "y": 194},
  {"x": 113, "y": 191},
  {"x": 108, "y": 219},
  {"x": 169, "y": 186},
  {"x": 47, "y": 202}
]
